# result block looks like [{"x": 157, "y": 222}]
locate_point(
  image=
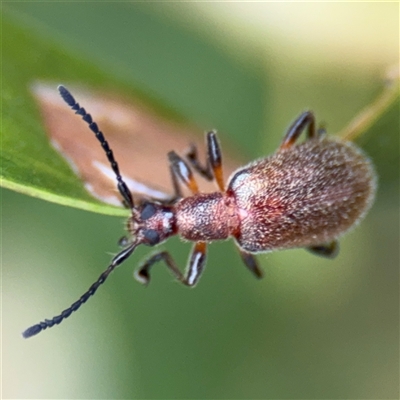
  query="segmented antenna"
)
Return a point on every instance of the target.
[
  {"x": 48, "y": 323},
  {"x": 122, "y": 187}
]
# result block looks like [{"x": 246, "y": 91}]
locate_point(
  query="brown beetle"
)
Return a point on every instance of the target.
[{"x": 304, "y": 195}]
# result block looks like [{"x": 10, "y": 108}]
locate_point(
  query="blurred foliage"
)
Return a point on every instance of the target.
[{"x": 305, "y": 331}]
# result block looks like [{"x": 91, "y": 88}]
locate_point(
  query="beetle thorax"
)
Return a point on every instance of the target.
[{"x": 206, "y": 217}]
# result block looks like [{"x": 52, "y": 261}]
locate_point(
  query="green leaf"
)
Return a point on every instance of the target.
[{"x": 29, "y": 164}]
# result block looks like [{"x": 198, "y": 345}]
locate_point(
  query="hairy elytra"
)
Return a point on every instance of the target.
[{"x": 305, "y": 195}]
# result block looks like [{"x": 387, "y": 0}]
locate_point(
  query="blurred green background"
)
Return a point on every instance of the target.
[{"x": 313, "y": 328}]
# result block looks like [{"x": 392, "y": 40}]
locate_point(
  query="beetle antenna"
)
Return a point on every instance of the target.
[
  {"x": 48, "y": 323},
  {"x": 122, "y": 187}
]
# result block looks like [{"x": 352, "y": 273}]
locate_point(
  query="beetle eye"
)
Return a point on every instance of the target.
[
  {"x": 152, "y": 236},
  {"x": 148, "y": 211}
]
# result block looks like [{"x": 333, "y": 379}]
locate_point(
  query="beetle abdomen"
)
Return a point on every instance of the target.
[{"x": 306, "y": 195}]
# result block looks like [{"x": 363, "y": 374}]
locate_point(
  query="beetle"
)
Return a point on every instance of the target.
[{"x": 305, "y": 195}]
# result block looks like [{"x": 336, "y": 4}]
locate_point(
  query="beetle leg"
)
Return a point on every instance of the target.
[
  {"x": 176, "y": 187},
  {"x": 181, "y": 172},
  {"x": 175, "y": 184},
  {"x": 194, "y": 269},
  {"x": 193, "y": 157},
  {"x": 328, "y": 250},
  {"x": 321, "y": 131},
  {"x": 213, "y": 168},
  {"x": 251, "y": 263},
  {"x": 306, "y": 119}
]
